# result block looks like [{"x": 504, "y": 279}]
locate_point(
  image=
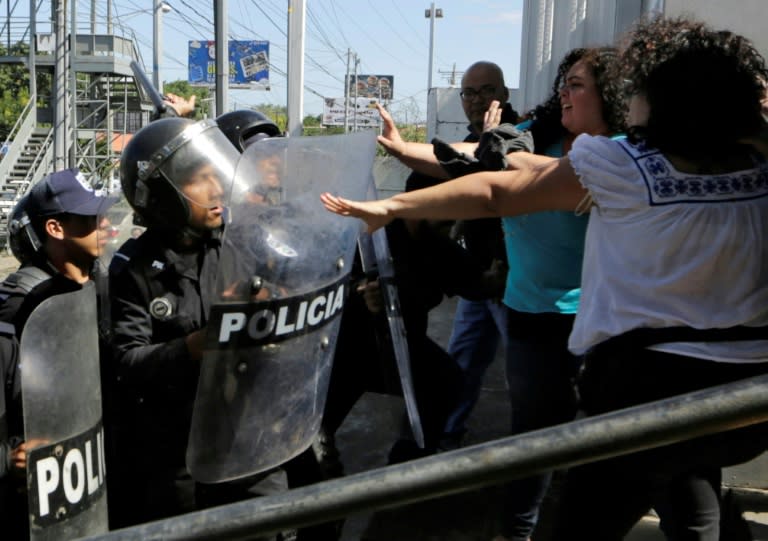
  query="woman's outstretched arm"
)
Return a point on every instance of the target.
[{"x": 548, "y": 186}]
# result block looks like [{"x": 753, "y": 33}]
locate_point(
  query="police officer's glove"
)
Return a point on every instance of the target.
[
  {"x": 253, "y": 290},
  {"x": 495, "y": 144},
  {"x": 371, "y": 292},
  {"x": 167, "y": 112}
]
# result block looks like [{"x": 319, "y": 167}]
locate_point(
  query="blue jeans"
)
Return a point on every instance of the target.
[
  {"x": 540, "y": 377},
  {"x": 477, "y": 328}
]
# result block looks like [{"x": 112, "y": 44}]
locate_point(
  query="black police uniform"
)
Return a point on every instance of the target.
[
  {"x": 13, "y": 500},
  {"x": 17, "y": 286},
  {"x": 159, "y": 296},
  {"x": 20, "y": 293}
]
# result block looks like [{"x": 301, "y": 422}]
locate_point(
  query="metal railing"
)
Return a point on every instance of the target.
[
  {"x": 105, "y": 45},
  {"x": 19, "y": 134},
  {"x": 642, "y": 427}
]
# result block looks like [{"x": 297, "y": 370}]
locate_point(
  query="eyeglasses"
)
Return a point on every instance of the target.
[{"x": 485, "y": 92}]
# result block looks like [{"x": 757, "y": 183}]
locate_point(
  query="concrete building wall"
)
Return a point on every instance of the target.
[{"x": 746, "y": 17}]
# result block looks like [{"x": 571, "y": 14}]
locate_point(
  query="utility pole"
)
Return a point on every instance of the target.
[
  {"x": 297, "y": 10},
  {"x": 157, "y": 38},
  {"x": 431, "y": 14},
  {"x": 222, "y": 55},
  {"x": 348, "y": 80},
  {"x": 72, "y": 129},
  {"x": 32, "y": 49},
  {"x": 60, "y": 142},
  {"x": 357, "y": 63},
  {"x": 451, "y": 76},
  {"x": 158, "y": 8}
]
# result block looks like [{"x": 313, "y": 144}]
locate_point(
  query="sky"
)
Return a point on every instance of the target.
[{"x": 390, "y": 37}]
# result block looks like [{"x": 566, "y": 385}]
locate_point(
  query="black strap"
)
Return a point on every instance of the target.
[{"x": 646, "y": 337}]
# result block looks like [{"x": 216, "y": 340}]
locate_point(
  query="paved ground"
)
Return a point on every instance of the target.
[{"x": 8, "y": 264}]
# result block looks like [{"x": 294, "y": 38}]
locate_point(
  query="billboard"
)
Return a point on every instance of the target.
[
  {"x": 362, "y": 112},
  {"x": 248, "y": 63},
  {"x": 372, "y": 86}
]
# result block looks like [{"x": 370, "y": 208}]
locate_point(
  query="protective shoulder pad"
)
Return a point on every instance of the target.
[{"x": 25, "y": 279}]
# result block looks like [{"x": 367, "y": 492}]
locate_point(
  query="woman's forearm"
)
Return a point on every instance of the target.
[
  {"x": 467, "y": 197},
  {"x": 550, "y": 185}
]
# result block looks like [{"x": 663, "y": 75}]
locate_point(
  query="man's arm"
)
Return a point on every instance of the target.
[
  {"x": 417, "y": 156},
  {"x": 184, "y": 107}
]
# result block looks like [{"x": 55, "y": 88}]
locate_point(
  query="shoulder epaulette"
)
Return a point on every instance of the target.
[{"x": 123, "y": 256}]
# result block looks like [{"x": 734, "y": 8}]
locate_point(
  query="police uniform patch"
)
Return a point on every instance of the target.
[{"x": 161, "y": 308}]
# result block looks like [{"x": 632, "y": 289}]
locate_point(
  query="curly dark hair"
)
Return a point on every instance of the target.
[
  {"x": 547, "y": 127},
  {"x": 686, "y": 70}
]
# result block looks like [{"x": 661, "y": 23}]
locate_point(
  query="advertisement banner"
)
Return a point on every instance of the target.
[
  {"x": 248, "y": 64},
  {"x": 372, "y": 86},
  {"x": 362, "y": 112}
]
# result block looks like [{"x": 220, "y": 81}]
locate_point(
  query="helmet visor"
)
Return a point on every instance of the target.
[{"x": 202, "y": 169}]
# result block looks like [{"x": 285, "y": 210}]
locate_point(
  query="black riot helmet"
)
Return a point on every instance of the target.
[
  {"x": 22, "y": 239},
  {"x": 246, "y": 126},
  {"x": 165, "y": 157}
]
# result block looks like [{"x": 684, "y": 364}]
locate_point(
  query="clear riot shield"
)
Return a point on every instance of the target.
[
  {"x": 282, "y": 284},
  {"x": 377, "y": 260},
  {"x": 61, "y": 393},
  {"x": 115, "y": 227}
]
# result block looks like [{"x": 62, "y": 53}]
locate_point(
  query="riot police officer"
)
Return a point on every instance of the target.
[
  {"x": 54, "y": 233},
  {"x": 243, "y": 128},
  {"x": 174, "y": 173}
]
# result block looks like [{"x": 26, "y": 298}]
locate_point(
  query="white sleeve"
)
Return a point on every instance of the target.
[{"x": 608, "y": 172}]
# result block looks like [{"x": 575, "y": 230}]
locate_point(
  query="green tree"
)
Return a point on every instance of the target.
[
  {"x": 277, "y": 113},
  {"x": 313, "y": 125},
  {"x": 14, "y": 82}
]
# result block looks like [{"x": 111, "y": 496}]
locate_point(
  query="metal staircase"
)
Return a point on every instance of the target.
[
  {"x": 109, "y": 105},
  {"x": 28, "y": 158},
  {"x": 31, "y": 165}
]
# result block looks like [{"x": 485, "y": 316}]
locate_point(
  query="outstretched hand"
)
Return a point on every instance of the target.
[
  {"x": 390, "y": 136},
  {"x": 492, "y": 117},
  {"x": 373, "y": 213}
]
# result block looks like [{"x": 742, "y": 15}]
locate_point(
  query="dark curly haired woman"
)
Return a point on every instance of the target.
[
  {"x": 674, "y": 284},
  {"x": 544, "y": 253},
  {"x": 547, "y": 127}
]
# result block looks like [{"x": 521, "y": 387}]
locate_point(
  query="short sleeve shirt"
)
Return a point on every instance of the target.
[{"x": 666, "y": 248}]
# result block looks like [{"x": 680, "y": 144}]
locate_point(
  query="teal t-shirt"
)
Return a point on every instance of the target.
[{"x": 544, "y": 251}]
